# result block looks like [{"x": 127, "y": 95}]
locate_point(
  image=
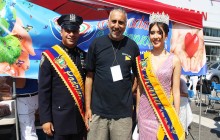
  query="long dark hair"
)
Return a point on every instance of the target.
[{"x": 160, "y": 25}]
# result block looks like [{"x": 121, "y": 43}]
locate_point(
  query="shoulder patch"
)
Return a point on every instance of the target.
[{"x": 42, "y": 60}]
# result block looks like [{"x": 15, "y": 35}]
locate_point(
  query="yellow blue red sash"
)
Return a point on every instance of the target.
[
  {"x": 170, "y": 125},
  {"x": 69, "y": 73}
]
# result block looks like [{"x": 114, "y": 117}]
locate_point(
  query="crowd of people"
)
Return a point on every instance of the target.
[{"x": 90, "y": 95}]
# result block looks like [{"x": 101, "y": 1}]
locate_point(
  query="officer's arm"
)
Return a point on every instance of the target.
[{"x": 44, "y": 91}]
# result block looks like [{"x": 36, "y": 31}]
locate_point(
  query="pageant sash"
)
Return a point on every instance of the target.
[
  {"x": 170, "y": 126},
  {"x": 69, "y": 73}
]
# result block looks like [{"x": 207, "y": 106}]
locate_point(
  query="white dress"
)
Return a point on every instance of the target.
[{"x": 185, "y": 114}]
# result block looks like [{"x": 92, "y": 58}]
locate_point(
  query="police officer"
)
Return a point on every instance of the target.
[{"x": 61, "y": 84}]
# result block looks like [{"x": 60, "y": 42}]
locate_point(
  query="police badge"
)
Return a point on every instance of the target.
[
  {"x": 144, "y": 63},
  {"x": 61, "y": 62}
]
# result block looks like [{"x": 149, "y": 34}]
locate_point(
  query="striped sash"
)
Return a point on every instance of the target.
[
  {"x": 170, "y": 125},
  {"x": 69, "y": 73}
]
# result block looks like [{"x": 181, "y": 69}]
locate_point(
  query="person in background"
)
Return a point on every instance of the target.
[
  {"x": 61, "y": 84},
  {"x": 27, "y": 105},
  {"x": 108, "y": 83},
  {"x": 193, "y": 80},
  {"x": 185, "y": 114},
  {"x": 158, "y": 93},
  {"x": 5, "y": 88}
]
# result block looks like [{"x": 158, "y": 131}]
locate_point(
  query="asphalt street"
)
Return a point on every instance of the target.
[{"x": 208, "y": 125}]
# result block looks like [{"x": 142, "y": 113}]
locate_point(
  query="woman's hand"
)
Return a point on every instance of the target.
[{"x": 188, "y": 44}]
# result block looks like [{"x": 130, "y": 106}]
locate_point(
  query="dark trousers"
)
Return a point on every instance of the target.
[{"x": 79, "y": 136}]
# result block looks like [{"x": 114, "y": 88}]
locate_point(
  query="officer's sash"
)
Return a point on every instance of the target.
[
  {"x": 170, "y": 126},
  {"x": 69, "y": 73}
]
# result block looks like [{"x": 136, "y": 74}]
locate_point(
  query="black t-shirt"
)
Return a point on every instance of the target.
[{"x": 112, "y": 99}]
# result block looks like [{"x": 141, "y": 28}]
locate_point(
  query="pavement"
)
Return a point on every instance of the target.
[
  {"x": 202, "y": 128},
  {"x": 208, "y": 125}
]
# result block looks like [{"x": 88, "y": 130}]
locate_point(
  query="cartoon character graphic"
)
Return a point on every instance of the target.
[{"x": 15, "y": 42}]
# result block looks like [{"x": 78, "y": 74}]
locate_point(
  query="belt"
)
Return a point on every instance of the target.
[{"x": 26, "y": 95}]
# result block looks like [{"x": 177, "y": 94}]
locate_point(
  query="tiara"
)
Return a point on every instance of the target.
[{"x": 157, "y": 17}]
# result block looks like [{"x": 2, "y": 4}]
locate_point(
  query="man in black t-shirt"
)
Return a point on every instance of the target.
[{"x": 108, "y": 88}]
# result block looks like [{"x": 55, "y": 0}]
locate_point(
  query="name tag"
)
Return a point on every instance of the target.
[{"x": 116, "y": 73}]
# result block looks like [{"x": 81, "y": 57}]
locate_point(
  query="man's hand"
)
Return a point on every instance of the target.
[
  {"x": 88, "y": 118},
  {"x": 48, "y": 128}
]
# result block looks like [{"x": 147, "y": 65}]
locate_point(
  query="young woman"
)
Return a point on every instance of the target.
[{"x": 159, "y": 85}]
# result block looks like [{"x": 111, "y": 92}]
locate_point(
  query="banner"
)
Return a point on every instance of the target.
[{"x": 27, "y": 29}]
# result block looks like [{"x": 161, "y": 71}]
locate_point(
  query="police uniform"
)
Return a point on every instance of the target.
[{"x": 56, "y": 104}]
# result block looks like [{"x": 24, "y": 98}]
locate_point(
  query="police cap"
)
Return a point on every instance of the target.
[{"x": 70, "y": 21}]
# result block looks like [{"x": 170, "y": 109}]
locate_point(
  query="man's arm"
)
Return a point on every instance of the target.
[
  {"x": 138, "y": 96},
  {"x": 44, "y": 96},
  {"x": 88, "y": 93},
  {"x": 134, "y": 85}
]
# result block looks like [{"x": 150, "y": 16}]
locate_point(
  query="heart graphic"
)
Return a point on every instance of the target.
[{"x": 191, "y": 44}]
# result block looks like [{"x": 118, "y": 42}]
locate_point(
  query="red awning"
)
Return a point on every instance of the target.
[
  {"x": 88, "y": 11},
  {"x": 148, "y": 6},
  {"x": 93, "y": 9}
]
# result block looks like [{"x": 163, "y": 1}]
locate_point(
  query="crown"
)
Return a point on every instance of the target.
[{"x": 157, "y": 17}]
